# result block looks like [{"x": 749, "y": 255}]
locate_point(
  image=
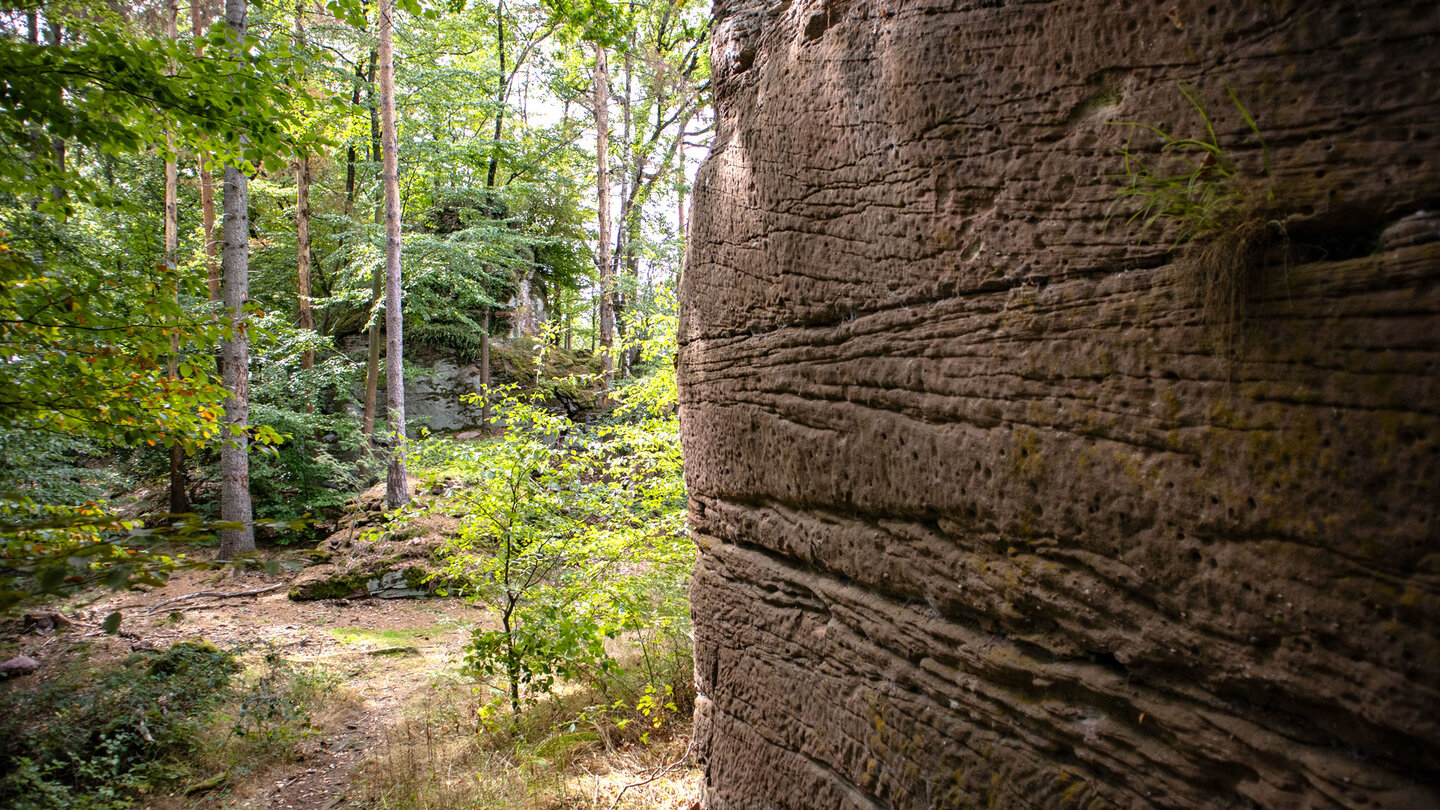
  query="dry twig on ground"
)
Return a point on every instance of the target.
[{"x": 215, "y": 595}]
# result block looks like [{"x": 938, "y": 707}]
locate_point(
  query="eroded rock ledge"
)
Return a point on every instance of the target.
[{"x": 989, "y": 514}]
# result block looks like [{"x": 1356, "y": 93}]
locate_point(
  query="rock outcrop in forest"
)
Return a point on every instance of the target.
[{"x": 1005, "y": 500}]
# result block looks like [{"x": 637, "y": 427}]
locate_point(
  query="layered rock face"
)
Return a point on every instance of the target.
[{"x": 992, "y": 511}]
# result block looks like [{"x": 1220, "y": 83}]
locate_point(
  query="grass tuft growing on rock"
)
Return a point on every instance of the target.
[{"x": 1223, "y": 217}]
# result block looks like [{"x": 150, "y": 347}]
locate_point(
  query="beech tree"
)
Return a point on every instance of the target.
[
  {"x": 397, "y": 487},
  {"x": 672, "y": 71},
  {"x": 235, "y": 505},
  {"x": 377, "y": 277},
  {"x": 95, "y": 318},
  {"x": 602, "y": 187}
]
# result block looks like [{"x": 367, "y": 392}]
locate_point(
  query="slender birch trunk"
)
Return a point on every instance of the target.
[
  {"x": 397, "y": 487},
  {"x": 602, "y": 185},
  {"x": 235, "y": 262}
]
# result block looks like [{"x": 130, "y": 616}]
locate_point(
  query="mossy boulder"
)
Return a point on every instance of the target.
[
  {"x": 383, "y": 580},
  {"x": 358, "y": 560},
  {"x": 327, "y": 581}
]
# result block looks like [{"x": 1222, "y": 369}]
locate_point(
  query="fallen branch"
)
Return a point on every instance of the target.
[
  {"x": 216, "y": 595},
  {"x": 668, "y": 768},
  {"x": 117, "y": 634}
]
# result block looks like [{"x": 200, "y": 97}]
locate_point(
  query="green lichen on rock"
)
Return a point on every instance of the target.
[
  {"x": 417, "y": 578},
  {"x": 368, "y": 556},
  {"x": 327, "y": 582}
]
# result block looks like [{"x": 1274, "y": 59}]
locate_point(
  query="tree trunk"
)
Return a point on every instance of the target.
[
  {"x": 234, "y": 458},
  {"x": 501, "y": 93},
  {"x": 512, "y": 656},
  {"x": 350, "y": 171},
  {"x": 630, "y": 352},
  {"x": 397, "y": 487},
  {"x": 350, "y": 149},
  {"x": 207, "y": 180},
  {"x": 32, "y": 22},
  {"x": 179, "y": 496},
  {"x": 302, "y": 239},
  {"x": 680, "y": 206},
  {"x": 350, "y": 154},
  {"x": 207, "y": 190},
  {"x": 628, "y": 187},
  {"x": 485, "y": 372},
  {"x": 207, "y": 219},
  {"x": 306, "y": 319},
  {"x": 569, "y": 321},
  {"x": 602, "y": 186},
  {"x": 57, "y": 145},
  {"x": 372, "y": 357}
]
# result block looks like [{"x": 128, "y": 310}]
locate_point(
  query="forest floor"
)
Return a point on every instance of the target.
[{"x": 401, "y": 713}]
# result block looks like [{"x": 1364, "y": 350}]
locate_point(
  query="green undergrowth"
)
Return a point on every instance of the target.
[
  {"x": 573, "y": 536},
  {"x": 98, "y": 736},
  {"x": 578, "y": 746}
]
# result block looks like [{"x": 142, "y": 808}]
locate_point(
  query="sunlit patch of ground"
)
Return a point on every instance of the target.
[
  {"x": 441, "y": 756},
  {"x": 400, "y": 728}
]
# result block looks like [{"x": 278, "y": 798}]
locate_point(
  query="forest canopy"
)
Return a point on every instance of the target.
[{"x": 195, "y": 238}]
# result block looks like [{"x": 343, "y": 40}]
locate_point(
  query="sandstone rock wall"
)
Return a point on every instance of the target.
[
  {"x": 434, "y": 384},
  {"x": 990, "y": 514},
  {"x": 433, "y": 398}
]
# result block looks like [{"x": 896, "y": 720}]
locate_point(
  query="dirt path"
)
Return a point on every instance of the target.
[{"x": 425, "y": 637}]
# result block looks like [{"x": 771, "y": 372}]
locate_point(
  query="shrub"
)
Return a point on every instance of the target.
[
  {"x": 572, "y": 538},
  {"x": 96, "y": 739},
  {"x": 273, "y": 711}
]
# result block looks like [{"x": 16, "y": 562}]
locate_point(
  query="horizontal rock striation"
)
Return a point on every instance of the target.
[{"x": 992, "y": 510}]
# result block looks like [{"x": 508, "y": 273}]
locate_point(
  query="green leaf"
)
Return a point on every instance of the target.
[
  {"x": 112, "y": 623},
  {"x": 50, "y": 577}
]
